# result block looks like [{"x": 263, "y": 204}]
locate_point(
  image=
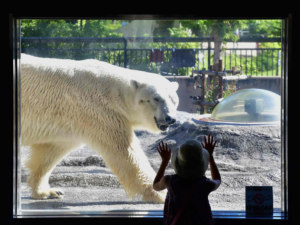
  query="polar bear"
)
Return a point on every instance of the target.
[{"x": 65, "y": 103}]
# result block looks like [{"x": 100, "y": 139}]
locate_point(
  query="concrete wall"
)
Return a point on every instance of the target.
[
  {"x": 267, "y": 83},
  {"x": 186, "y": 89}
]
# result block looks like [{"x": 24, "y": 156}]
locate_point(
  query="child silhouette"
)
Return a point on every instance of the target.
[{"x": 187, "y": 198}]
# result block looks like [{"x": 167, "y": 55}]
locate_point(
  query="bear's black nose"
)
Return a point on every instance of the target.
[{"x": 170, "y": 120}]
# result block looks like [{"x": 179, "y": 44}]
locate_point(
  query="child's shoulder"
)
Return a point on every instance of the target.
[{"x": 170, "y": 177}]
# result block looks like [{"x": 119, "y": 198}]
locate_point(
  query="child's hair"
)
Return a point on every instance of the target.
[{"x": 191, "y": 160}]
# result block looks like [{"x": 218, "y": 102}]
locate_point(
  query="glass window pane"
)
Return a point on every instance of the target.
[{"x": 61, "y": 58}]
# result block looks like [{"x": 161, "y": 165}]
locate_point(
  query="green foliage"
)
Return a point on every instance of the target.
[
  {"x": 198, "y": 27},
  {"x": 182, "y": 32},
  {"x": 163, "y": 28},
  {"x": 264, "y": 28},
  {"x": 224, "y": 29},
  {"x": 70, "y": 28}
]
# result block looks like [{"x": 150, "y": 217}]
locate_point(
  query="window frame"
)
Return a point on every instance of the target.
[{"x": 146, "y": 217}]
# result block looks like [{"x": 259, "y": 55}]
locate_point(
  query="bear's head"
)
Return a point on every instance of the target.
[{"x": 156, "y": 105}]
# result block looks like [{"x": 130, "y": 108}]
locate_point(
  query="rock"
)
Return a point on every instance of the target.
[{"x": 93, "y": 160}]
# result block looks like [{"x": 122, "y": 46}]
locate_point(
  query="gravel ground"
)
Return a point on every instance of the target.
[{"x": 245, "y": 156}]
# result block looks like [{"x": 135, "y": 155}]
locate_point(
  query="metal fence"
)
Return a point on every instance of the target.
[{"x": 159, "y": 55}]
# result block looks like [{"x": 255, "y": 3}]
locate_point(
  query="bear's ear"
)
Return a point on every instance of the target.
[
  {"x": 136, "y": 85},
  {"x": 175, "y": 85}
]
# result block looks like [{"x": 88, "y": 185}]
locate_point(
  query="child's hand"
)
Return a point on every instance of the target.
[
  {"x": 161, "y": 182},
  {"x": 164, "y": 151},
  {"x": 210, "y": 144}
]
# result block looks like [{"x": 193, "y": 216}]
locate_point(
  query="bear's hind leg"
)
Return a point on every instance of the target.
[{"x": 43, "y": 159}]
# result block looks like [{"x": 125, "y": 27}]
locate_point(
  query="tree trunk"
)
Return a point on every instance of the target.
[
  {"x": 217, "y": 49},
  {"x": 217, "y": 57}
]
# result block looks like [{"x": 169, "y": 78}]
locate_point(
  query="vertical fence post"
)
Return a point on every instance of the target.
[
  {"x": 125, "y": 53},
  {"x": 40, "y": 45},
  {"x": 278, "y": 62},
  {"x": 209, "y": 48}
]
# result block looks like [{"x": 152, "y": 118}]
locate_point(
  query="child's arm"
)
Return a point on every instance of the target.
[
  {"x": 209, "y": 146},
  {"x": 161, "y": 182},
  {"x": 216, "y": 177}
]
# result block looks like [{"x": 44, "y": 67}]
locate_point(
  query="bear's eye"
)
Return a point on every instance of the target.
[{"x": 143, "y": 101}]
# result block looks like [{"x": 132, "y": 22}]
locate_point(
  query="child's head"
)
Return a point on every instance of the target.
[{"x": 191, "y": 160}]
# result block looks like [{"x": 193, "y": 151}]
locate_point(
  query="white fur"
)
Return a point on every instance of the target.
[{"x": 66, "y": 103}]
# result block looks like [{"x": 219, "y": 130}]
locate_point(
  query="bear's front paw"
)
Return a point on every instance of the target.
[{"x": 48, "y": 194}]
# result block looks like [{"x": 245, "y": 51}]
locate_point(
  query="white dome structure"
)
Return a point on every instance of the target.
[{"x": 249, "y": 106}]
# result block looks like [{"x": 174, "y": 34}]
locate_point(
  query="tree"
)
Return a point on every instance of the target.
[
  {"x": 218, "y": 29},
  {"x": 264, "y": 28},
  {"x": 70, "y": 28},
  {"x": 221, "y": 30}
]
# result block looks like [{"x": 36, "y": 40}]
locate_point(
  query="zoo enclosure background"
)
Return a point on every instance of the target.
[{"x": 166, "y": 56}]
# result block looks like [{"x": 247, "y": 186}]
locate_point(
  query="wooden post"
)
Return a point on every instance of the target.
[
  {"x": 220, "y": 69},
  {"x": 220, "y": 65}
]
